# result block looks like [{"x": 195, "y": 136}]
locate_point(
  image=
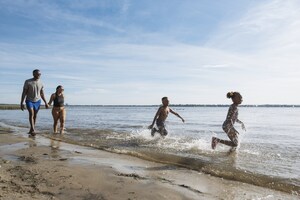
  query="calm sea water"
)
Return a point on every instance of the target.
[{"x": 267, "y": 156}]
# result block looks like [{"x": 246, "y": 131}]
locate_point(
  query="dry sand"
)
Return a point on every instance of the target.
[{"x": 42, "y": 168}]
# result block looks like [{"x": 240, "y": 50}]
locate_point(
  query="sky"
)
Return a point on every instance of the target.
[{"x": 134, "y": 52}]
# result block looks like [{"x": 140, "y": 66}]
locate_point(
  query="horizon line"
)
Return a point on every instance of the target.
[{"x": 196, "y": 105}]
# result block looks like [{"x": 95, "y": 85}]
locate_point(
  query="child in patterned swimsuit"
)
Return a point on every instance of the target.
[{"x": 228, "y": 125}]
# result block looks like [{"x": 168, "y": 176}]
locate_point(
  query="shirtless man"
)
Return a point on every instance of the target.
[{"x": 161, "y": 116}]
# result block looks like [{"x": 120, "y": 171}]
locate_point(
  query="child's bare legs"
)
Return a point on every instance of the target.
[
  {"x": 233, "y": 142},
  {"x": 163, "y": 131},
  {"x": 161, "y": 128},
  {"x": 62, "y": 117}
]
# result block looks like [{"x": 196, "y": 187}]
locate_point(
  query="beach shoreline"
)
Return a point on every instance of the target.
[
  {"x": 44, "y": 168},
  {"x": 17, "y": 106}
]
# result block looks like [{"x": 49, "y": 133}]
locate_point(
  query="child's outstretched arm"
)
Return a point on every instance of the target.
[
  {"x": 175, "y": 113},
  {"x": 240, "y": 122},
  {"x": 155, "y": 117}
]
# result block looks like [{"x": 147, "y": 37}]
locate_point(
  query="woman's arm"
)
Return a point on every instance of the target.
[{"x": 51, "y": 99}]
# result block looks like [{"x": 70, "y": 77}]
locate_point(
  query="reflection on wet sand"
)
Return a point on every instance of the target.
[
  {"x": 32, "y": 143},
  {"x": 55, "y": 144}
]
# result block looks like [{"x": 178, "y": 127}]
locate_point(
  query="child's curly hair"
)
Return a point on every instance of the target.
[{"x": 231, "y": 95}]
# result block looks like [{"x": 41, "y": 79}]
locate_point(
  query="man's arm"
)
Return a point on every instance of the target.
[
  {"x": 44, "y": 99},
  {"x": 24, "y": 93},
  {"x": 175, "y": 113}
]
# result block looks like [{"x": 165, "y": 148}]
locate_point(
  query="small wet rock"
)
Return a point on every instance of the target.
[
  {"x": 28, "y": 159},
  {"x": 6, "y": 161}
]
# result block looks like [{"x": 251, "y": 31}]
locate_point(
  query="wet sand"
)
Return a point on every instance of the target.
[{"x": 44, "y": 168}]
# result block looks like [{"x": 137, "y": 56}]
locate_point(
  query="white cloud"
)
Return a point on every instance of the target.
[
  {"x": 272, "y": 24},
  {"x": 255, "y": 54}
]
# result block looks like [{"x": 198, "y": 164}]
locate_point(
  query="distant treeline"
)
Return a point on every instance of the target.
[
  {"x": 9, "y": 106},
  {"x": 13, "y": 106},
  {"x": 17, "y": 106}
]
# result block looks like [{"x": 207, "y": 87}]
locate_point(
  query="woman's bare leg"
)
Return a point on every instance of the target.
[
  {"x": 62, "y": 118},
  {"x": 55, "y": 115}
]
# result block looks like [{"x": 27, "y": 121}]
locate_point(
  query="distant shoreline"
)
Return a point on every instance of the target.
[{"x": 17, "y": 106}]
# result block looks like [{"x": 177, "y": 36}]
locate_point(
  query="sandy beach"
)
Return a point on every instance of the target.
[{"x": 44, "y": 168}]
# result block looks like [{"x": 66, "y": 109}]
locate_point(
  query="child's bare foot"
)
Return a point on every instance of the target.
[
  {"x": 214, "y": 142},
  {"x": 153, "y": 130},
  {"x": 163, "y": 133},
  {"x": 232, "y": 149}
]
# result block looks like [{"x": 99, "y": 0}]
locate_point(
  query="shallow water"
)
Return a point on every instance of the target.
[{"x": 268, "y": 154}]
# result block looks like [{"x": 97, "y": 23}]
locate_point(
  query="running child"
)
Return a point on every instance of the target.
[
  {"x": 228, "y": 125},
  {"x": 161, "y": 116}
]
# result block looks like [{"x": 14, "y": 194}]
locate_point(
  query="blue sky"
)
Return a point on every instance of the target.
[{"x": 137, "y": 51}]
